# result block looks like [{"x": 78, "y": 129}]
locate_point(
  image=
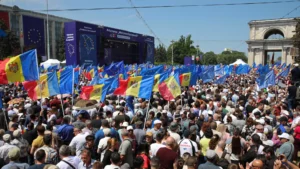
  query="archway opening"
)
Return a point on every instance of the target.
[
  {"x": 272, "y": 57},
  {"x": 274, "y": 34}
]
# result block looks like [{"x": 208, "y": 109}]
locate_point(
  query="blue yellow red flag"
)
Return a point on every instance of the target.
[
  {"x": 170, "y": 88},
  {"x": 19, "y": 68},
  {"x": 46, "y": 86},
  {"x": 65, "y": 80},
  {"x": 158, "y": 79},
  {"x": 96, "y": 92},
  {"x": 188, "y": 79}
]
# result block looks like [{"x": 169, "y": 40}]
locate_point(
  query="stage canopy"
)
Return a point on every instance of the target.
[{"x": 238, "y": 62}]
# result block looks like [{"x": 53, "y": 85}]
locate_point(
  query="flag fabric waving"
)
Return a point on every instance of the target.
[
  {"x": 208, "y": 75},
  {"x": 96, "y": 92},
  {"x": 170, "y": 88},
  {"x": 139, "y": 86},
  {"x": 19, "y": 68},
  {"x": 159, "y": 78},
  {"x": 188, "y": 79},
  {"x": 284, "y": 72},
  {"x": 65, "y": 80},
  {"x": 267, "y": 80},
  {"x": 46, "y": 86},
  {"x": 221, "y": 80}
]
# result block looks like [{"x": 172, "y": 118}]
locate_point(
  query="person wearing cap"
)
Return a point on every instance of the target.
[
  {"x": 123, "y": 125},
  {"x": 212, "y": 159},
  {"x": 139, "y": 132},
  {"x": 173, "y": 131},
  {"x": 51, "y": 154},
  {"x": 132, "y": 137},
  {"x": 287, "y": 148},
  {"x": 6, "y": 147},
  {"x": 102, "y": 146},
  {"x": 156, "y": 128},
  {"x": 149, "y": 138},
  {"x": 13, "y": 156},
  {"x": 187, "y": 145},
  {"x": 22, "y": 144},
  {"x": 78, "y": 141}
]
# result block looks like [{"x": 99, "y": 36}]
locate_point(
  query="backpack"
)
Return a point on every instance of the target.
[{"x": 222, "y": 161}]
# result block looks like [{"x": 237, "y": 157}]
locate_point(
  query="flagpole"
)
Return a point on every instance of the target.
[
  {"x": 147, "y": 114},
  {"x": 48, "y": 40},
  {"x": 62, "y": 106},
  {"x": 73, "y": 88}
]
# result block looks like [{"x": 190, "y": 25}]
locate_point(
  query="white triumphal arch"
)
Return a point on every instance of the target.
[{"x": 271, "y": 36}]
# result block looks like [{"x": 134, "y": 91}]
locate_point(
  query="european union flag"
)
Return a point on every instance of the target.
[
  {"x": 153, "y": 71},
  {"x": 219, "y": 70},
  {"x": 208, "y": 75},
  {"x": 284, "y": 72},
  {"x": 221, "y": 80},
  {"x": 242, "y": 69},
  {"x": 267, "y": 80}
]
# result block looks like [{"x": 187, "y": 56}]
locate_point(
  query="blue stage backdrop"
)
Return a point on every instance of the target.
[
  {"x": 71, "y": 44},
  {"x": 87, "y": 49},
  {"x": 34, "y": 36}
]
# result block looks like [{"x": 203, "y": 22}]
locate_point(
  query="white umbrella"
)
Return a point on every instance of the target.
[
  {"x": 50, "y": 62},
  {"x": 238, "y": 62}
]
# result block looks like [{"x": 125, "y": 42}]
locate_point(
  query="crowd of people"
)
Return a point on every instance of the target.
[{"x": 235, "y": 125}]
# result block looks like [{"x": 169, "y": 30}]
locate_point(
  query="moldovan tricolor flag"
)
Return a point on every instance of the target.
[
  {"x": 170, "y": 88},
  {"x": 188, "y": 79},
  {"x": 139, "y": 86},
  {"x": 96, "y": 92},
  {"x": 19, "y": 68},
  {"x": 47, "y": 86},
  {"x": 158, "y": 79}
]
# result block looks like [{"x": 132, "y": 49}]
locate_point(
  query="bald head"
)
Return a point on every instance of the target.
[
  {"x": 170, "y": 141},
  {"x": 257, "y": 163}
]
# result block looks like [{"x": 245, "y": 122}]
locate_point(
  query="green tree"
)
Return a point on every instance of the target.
[
  {"x": 9, "y": 45},
  {"x": 228, "y": 57},
  {"x": 210, "y": 58},
  {"x": 60, "y": 52},
  {"x": 296, "y": 39},
  {"x": 181, "y": 48},
  {"x": 160, "y": 54}
]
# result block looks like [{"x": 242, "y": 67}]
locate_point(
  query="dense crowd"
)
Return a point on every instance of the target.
[{"x": 233, "y": 125}]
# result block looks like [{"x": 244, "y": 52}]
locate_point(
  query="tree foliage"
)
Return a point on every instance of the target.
[
  {"x": 9, "y": 45},
  {"x": 160, "y": 54},
  {"x": 228, "y": 57},
  {"x": 60, "y": 52}
]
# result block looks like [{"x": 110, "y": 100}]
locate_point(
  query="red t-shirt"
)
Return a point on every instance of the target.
[
  {"x": 166, "y": 158},
  {"x": 146, "y": 161},
  {"x": 297, "y": 132}
]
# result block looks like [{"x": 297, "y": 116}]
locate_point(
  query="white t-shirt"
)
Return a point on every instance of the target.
[
  {"x": 102, "y": 146},
  {"x": 204, "y": 113},
  {"x": 72, "y": 160},
  {"x": 185, "y": 146},
  {"x": 52, "y": 117},
  {"x": 111, "y": 167},
  {"x": 78, "y": 142},
  {"x": 154, "y": 147}
]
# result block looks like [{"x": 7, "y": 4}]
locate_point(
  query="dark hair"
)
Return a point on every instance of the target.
[
  {"x": 89, "y": 138},
  {"x": 208, "y": 133},
  {"x": 159, "y": 136},
  {"x": 40, "y": 155},
  {"x": 154, "y": 162},
  {"x": 256, "y": 139},
  {"x": 40, "y": 129},
  {"x": 214, "y": 141},
  {"x": 30, "y": 126},
  {"x": 269, "y": 149},
  {"x": 143, "y": 147},
  {"x": 47, "y": 139},
  {"x": 138, "y": 162},
  {"x": 236, "y": 145},
  {"x": 115, "y": 157},
  {"x": 66, "y": 120}
]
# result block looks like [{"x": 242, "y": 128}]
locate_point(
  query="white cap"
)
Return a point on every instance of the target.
[
  {"x": 129, "y": 128},
  {"x": 210, "y": 112},
  {"x": 157, "y": 122},
  {"x": 284, "y": 135},
  {"x": 164, "y": 111},
  {"x": 260, "y": 121},
  {"x": 125, "y": 124},
  {"x": 268, "y": 143},
  {"x": 296, "y": 64}
]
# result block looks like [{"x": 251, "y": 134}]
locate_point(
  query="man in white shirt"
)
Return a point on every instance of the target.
[
  {"x": 79, "y": 140},
  {"x": 296, "y": 117},
  {"x": 186, "y": 145},
  {"x": 115, "y": 160},
  {"x": 103, "y": 143},
  {"x": 154, "y": 147},
  {"x": 172, "y": 131},
  {"x": 67, "y": 161},
  {"x": 203, "y": 111}
]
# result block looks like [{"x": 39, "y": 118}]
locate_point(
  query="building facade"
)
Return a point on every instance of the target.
[{"x": 85, "y": 43}]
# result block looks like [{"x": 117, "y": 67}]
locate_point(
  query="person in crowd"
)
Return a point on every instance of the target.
[
  {"x": 102, "y": 146},
  {"x": 22, "y": 144},
  {"x": 287, "y": 148},
  {"x": 86, "y": 160},
  {"x": 67, "y": 161},
  {"x": 4, "y": 150},
  {"x": 187, "y": 145},
  {"x": 13, "y": 156},
  {"x": 139, "y": 132},
  {"x": 166, "y": 161},
  {"x": 39, "y": 141},
  {"x": 154, "y": 147},
  {"x": 112, "y": 146},
  {"x": 90, "y": 145},
  {"x": 79, "y": 140},
  {"x": 115, "y": 160},
  {"x": 125, "y": 149},
  {"x": 40, "y": 160},
  {"x": 51, "y": 154},
  {"x": 211, "y": 162},
  {"x": 156, "y": 128}
]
